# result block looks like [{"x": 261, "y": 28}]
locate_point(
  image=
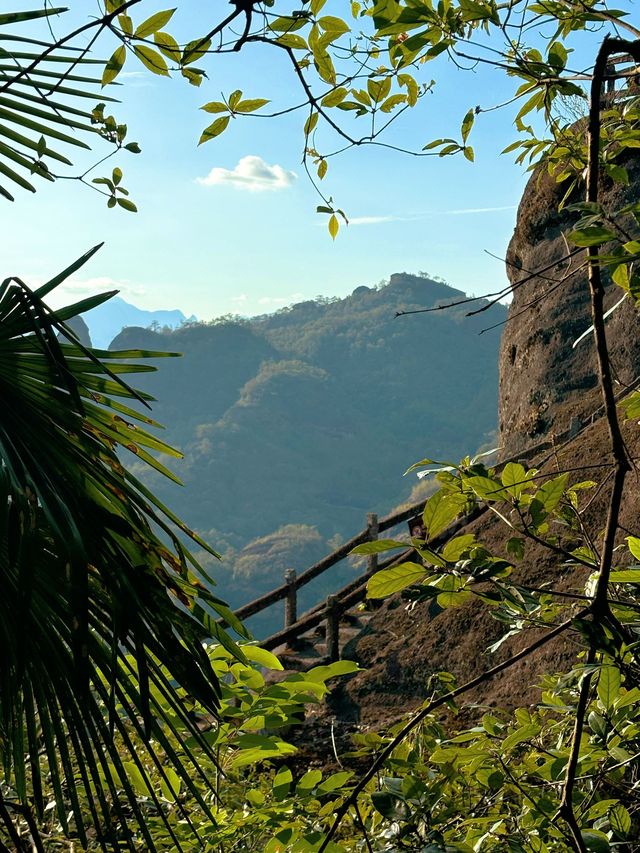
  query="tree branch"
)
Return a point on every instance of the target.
[
  {"x": 600, "y": 604},
  {"x": 437, "y": 703}
]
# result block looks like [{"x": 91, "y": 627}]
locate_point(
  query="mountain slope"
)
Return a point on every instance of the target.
[{"x": 307, "y": 418}]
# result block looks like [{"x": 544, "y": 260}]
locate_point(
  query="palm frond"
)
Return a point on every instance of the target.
[
  {"x": 44, "y": 89},
  {"x": 104, "y": 610}
]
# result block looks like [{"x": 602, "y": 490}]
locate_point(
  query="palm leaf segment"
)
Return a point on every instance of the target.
[
  {"x": 103, "y": 610},
  {"x": 44, "y": 92}
]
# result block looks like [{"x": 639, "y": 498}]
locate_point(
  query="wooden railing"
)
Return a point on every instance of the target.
[{"x": 331, "y": 609}]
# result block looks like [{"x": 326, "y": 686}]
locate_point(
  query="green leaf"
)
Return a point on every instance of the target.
[
  {"x": 126, "y": 24},
  {"x": 287, "y": 24},
  {"x": 309, "y": 781},
  {"x": 114, "y": 65},
  {"x": 127, "y": 204},
  {"x": 467, "y": 124},
  {"x": 617, "y": 173},
  {"x": 215, "y": 129},
  {"x": 215, "y": 107},
  {"x": 136, "y": 778},
  {"x": 594, "y": 235},
  {"x": 631, "y": 405},
  {"x": 625, "y": 576},
  {"x": 333, "y": 25},
  {"x": 549, "y": 496},
  {"x": 608, "y": 685},
  {"x": 389, "y": 581},
  {"x": 251, "y": 105},
  {"x": 620, "y": 821},
  {"x": 170, "y": 786},
  {"x": 378, "y": 547},
  {"x": 454, "y": 597},
  {"x": 282, "y": 783},
  {"x": 151, "y": 59},
  {"x": 633, "y": 544},
  {"x": 391, "y": 807},
  {"x": 292, "y": 41},
  {"x": 235, "y": 98},
  {"x": 557, "y": 55},
  {"x": 413, "y": 90},
  {"x": 516, "y": 547},
  {"x": 324, "y": 65},
  {"x": 261, "y": 656},
  {"x": 378, "y": 89},
  {"x": 271, "y": 748},
  {"x": 195, "y": 50},
  {"x": 486, "y": 488},
  {"x": 514, "y": 478},
  {"x": 392, "y": 102},
  {"x": 335, "y": 97},
  {"x": 595, "y": 840},
  {"x": 168, "y": 46},
  {"x": 310, "y": 123},
  {"x": 526, "y": 732},
  {"x": 323, "y": 673},
  {"x": 9, "y": 18},
  {"x": 456, "y": 547},
  {"x": 335, "y": 781},
  {"x": 153, "y": 24},
  {"x": 620, "y": 276},
  {"x": 440, "y": 510}
]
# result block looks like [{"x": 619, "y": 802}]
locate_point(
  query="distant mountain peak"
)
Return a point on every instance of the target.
[
  {"x": 109, "y": 319},
  {"x": 423, "y": 286}
]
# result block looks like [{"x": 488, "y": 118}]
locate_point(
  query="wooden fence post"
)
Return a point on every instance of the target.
[
  {"x": 291, "y": 601},
  {"x": 372, "y": 526},
  {"x": 332, "y": 636}
]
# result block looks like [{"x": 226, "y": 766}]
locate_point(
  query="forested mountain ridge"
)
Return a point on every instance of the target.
[{"x": 295, "y": 424}]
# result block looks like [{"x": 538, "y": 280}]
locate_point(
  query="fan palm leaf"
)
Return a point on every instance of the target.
[
  {"x": 46, "y": 95},
  {"x": 103, "y": 609}
]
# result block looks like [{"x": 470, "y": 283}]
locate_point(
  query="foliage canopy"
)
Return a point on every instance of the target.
[{"x": 104, "y": 677}]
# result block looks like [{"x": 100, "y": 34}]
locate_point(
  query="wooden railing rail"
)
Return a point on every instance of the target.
[
  {"x": 350, "y": 594},
  {"x": 302, "y": 579}
]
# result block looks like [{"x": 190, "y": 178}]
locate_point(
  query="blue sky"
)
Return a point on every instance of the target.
[{"x": 219, "y": 246}]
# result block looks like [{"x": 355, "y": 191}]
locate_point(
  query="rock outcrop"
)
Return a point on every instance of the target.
[{"x": 544, "y": 381}]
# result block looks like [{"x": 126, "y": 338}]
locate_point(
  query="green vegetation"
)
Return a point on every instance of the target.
[
  {"x": 128, "y": 718},
  {"x": 314, "y": 414}
]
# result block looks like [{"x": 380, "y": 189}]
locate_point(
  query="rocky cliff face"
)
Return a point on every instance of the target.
[{"x": 544, "y": 381}]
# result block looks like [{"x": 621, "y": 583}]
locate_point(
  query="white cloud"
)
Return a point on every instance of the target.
[
  {"x": 273, "y": 300},
  {"x": 252, "y": 174},
  {"x": 75, "y": 289},
  {"x": 466, "y": 210},
  {"x": 240, "y": 299},
  {"x": 99, "y": 284},
  {"x": 373, "y": 220},
  {"x": 427, "y": 214}
]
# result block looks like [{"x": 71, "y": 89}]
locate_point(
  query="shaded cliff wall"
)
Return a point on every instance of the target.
[{"x": 544, "y": 380}]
